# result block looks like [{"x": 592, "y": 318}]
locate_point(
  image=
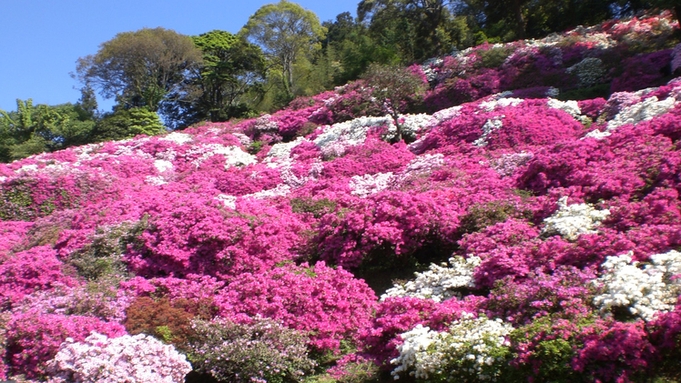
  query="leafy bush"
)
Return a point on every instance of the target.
[{"x": 262, "y": 351}]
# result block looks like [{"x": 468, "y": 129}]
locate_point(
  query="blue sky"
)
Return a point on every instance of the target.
[{"x": 40, "y": 40}]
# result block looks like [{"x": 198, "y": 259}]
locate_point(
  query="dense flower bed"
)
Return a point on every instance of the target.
[{"x": 513, "y": 237}]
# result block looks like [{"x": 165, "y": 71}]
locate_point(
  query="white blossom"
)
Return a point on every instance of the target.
[
  {"x": 440, "y": 282},
  {"x": 642, "y": 111},
  {"x": 126, "y": 359},
  {"x": 589, "y": 71},
  {"x": 464, "y": 348},
  {"x": 279, "y": 154},
  {"x": 488, "y": 128},
  {"x": 228, "y": 200},
  {"x": 177, "y": 137},
  {"x": 501, "y": 102},
  {"x": 368, "y": 184},
  {"x": 234, "y": 156},
  {"x": 574, "y": 220},
  {"x": 353, "y": 132},
  {"x": 644, "y": 291}
]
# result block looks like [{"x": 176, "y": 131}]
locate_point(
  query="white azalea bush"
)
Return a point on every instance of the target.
[
  {"x": 440, "y": 282},
  {"x": 643, "y": 290},
  {"x": 589, "y": 71},
  {"x": 573, "y": 220},
  {"x": 126, "y": 359},
  {"x": 473, "y": 350}
]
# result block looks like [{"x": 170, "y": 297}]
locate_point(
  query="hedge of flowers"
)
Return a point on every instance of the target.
[{"x": 513, "y": 237}]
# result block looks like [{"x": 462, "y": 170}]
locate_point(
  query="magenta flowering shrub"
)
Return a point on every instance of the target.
[
  {"x": 391, "y": 223},
  {"x": 328, "y": 304},
  {"x": 27, "y": 271},
  {"x": 642, "y": 71},
  {"x": 13, "y": 234},
  {"x": 199, "y": 237}
]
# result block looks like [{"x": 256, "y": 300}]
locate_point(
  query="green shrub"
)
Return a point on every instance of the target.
[{"x": 260, "y": 351}]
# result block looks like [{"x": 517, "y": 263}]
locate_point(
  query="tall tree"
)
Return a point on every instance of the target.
[
  {"x": 287, "y": 33},
  {"x": 141, "y": 68},
  {"x": 232, "y": 68},
  {"x": 420, "y": 29}
]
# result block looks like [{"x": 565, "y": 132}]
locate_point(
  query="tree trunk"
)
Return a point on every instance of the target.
[{"x": 519, "y": 20}]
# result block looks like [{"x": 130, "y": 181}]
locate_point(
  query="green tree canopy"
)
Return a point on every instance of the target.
[
  {"x": 127, "y": 123},
  {"x": 286, "y": 32},
  {"x": 33, "y": 129},
  {"x": 141, "y": 68},
  {"x": 232, "y": 68},
  {"x": 417, "y": 27}
]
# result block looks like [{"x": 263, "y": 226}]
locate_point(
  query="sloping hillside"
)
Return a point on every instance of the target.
[{"x": 516, "y": 235}]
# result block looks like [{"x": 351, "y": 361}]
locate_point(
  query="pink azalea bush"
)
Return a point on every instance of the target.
[{"x": 542, "y": 230}]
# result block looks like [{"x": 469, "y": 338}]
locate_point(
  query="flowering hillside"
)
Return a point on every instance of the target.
[{"x": 513, "y": 236}]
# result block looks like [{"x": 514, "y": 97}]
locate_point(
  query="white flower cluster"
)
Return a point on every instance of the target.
[
  {"x": 163, "y": 165},
  {"x": 589, "y": 71},
  {"x": 177, "y": 137},
  {"x": 465, "y": 349},
  {"x": 126, "y": 359},
  {"x": 641, "y": 111},
  {"x": 571, "y": 107},
  {"x": 365, "y": 185},
  {"x": 488, "y": 128},
  {"x": 280, "y": 153},
  {"x": 413, "y": 124},
  {"x": 572, "y": 221},
  {"x": 644, "y": 291},
  {"x": 447, "y": 114},
  {"x": 419, "y": 353},
  {"x": 264, "y": 123},
  {"x": 440, "y": 282},
  {"x": 368, "y": 184},
  {"x": 501, "y": 102},
  {"x": 228, "y": 200},
  {"x": 234, "y": 156},
  {"x": 353, "y": 132}
]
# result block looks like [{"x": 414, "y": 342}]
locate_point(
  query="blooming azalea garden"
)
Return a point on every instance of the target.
[{"x": 514, "y": 235}]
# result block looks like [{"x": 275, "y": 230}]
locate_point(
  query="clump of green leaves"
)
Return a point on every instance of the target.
[
  {"x": 259, "y": 351},
  {"x": 480, "y": 216},
  {"x": 103, "y": 257},
  {"x": 316, "y": 207}
]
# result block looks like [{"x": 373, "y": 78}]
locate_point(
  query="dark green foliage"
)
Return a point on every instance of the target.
[
  {"x": 141, "y": 68},
  {"x": 127, "y": 123},
  {"x": 35, "y": 129},
  {"x": 480, "y": 216},
  {"x": 317, "y": 207},
  {"x": 232, "y": 69},
  {"x": 103, "y": 257}
]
